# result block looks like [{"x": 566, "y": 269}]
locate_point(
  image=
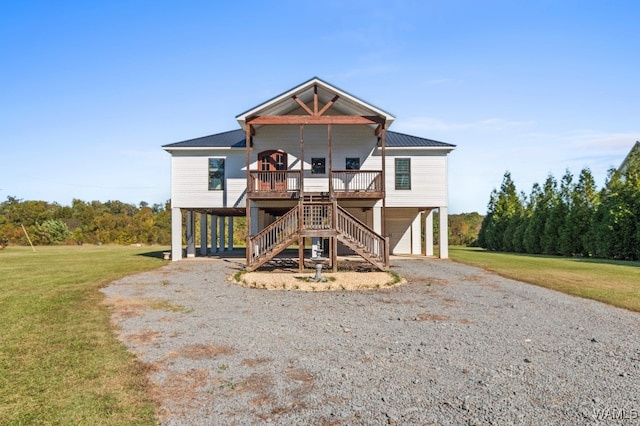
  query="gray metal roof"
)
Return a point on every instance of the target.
[
  {"x": 236, "y": 139},
  {"x": 400, "y": 140},
  {"x": 230, "y": 139}
]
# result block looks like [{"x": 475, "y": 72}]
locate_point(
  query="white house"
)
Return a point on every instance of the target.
[
  {"x": 320, "y": 164},
  {"x": 635, "y": 150}
]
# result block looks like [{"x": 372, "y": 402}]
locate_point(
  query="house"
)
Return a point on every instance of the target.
[
  {"x": 635, "y": 151},
  {"x": 321, "y": 166}
]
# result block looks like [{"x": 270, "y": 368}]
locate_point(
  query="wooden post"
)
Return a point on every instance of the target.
[
  {"x": 334, "y": 239},
  {"x": 301, "y": 238},
  {"x": 387, "y": 263},
  {"x": 330, "y": 161},
  {"x": 300, "y": 253},
  {"x": 249, "y": 249},
  {"x": 383, "y": 142},
  {"x": 300, "y": 207},
  {"x": 334, "y": 253},
  {"x": 301, "y": 160},
  {"x": 28, "y": 239}
]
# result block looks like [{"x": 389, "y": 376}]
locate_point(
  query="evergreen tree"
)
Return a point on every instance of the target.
[
  {"x": 584, "y": 204},
  {"x": 535, "y": 219},
  {"x": 503, "y": 215},
  {"x": 561, "y": 214},
  {"x": 551, "y": 218}
]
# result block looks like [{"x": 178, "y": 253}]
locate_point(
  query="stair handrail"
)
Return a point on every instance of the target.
[
  {"x": 355, "y": 229},
  {"x": 276, "y": 233}
]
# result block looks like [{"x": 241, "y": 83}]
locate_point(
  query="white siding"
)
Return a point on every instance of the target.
[
  {"x": 400, "y": 230},
  {"x": 428, "y": 179},
  {"x": 190, "y": 179}
]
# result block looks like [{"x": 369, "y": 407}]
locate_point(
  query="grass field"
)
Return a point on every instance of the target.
[
  {"x": 60, "y": 362},
  {"x": 614, "y": 282}
]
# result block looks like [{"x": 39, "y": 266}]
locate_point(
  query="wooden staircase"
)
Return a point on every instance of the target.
[
  {"x": 276, "y": 237},
  {"x": 370, "y": 245},
  {"x": 317, "y": 215}
]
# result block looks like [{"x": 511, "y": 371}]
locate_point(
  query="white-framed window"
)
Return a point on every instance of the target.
[
  {"x": 216, "y": 174},
  {"x": 403, "y": 173}
]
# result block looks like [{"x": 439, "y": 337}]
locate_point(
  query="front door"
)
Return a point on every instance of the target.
[{"x": 275, "y": 163}]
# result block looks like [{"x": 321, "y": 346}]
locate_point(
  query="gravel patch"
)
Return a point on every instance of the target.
[{"x": 454, "y": 345}]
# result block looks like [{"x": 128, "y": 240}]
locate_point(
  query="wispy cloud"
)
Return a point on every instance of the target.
[
  {"x": 430, "y": 124},
  {"x": 608, "y": 141}
]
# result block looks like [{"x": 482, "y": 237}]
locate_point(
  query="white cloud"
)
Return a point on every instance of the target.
[
  {"x": 609, "y": 141},
  {"x": 431, "y": 124}
]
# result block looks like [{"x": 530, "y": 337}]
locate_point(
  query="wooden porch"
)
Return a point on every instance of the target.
[{"x": 289, "y": 184}]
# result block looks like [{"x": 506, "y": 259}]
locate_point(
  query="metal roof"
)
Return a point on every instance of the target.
[
  {"x": 236, "y": 139},
  {"x": 230, "y": 139},
  {"x": 400, "y": 140}
]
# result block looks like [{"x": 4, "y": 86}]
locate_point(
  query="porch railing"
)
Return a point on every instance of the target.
[
  {"x": 344, "y": 181},
  {"x": 273, "y": 236},
  {"x": 317, "y": 216},
  {"x": 362, "y": 235},
  {"x": 356, "y": 180},
  {"x": 274, "y": 181}
]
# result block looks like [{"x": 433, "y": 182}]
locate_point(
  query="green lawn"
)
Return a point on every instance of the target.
[
  {"x": 614, "y": 282},
  {"x": 60, "y": 362}
]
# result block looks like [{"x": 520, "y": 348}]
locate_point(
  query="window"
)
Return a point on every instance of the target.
[
  {"x": 318, "y": 165},
  {"x": 403, "y": 173},
  {"x": 352, "y": 163},
  {"x": 216, "y": 174}
]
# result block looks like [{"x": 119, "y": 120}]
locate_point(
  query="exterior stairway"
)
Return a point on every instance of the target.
[
  {"x": 273, "y": 239},
  {"x": 317, "y": 218},
  {"x": 370, "y": 245}
]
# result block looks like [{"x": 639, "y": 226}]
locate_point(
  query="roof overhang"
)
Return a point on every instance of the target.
[
  {"x": 418, "y": 148},
  {"x": 634, "y": 148},
  {"x": 203, "y": 148},
  {"x": 325, "y": 94}
]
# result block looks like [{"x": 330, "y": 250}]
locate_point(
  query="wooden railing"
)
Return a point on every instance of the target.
[
  {"x": 273, "y": 235},
  {"x": 342, "y": 181},
  {"x": 274, "y": 181},
  {"x": 314, "y": 217},
  {"x": 367, "y": 239},
  {"x": 317, "y": 215},
  {"x": 356, "y": 180}
]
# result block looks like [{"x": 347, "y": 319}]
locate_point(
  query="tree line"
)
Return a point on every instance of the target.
[
  {"x": 111, "y": 222},
  {"x": 115, "y": 222},
  {"x": 568, "y": 218}
]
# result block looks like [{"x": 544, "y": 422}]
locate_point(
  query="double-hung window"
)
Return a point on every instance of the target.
[
  {"x": 216, "y": 174},
  {"x": 403, "y": 173}
]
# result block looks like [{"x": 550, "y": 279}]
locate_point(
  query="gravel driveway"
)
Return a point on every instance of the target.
[{"x": 455, "y": 345}]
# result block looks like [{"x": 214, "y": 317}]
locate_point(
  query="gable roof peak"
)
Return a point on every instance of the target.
[{"x": 307, "y": 92}]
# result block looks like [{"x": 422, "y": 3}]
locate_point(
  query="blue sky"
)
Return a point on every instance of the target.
[{"x": 90, "y": 91}]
